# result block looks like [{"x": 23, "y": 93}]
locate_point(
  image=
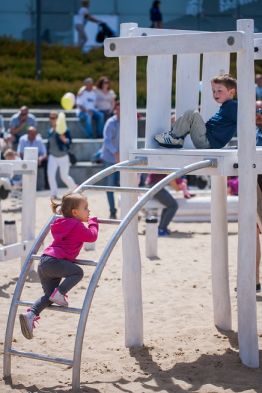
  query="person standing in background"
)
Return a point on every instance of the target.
[
  {"x": 155, "y": 15},
  {"x": 110, "y": 154},
  {"x": 80, "y": 21},
  {"x": 57, "y": 147}
]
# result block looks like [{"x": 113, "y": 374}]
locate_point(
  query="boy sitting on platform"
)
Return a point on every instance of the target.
[{"x": 217, "y": 131}]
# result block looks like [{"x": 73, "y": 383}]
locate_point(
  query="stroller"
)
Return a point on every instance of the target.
[{"x": 104, "y": 31}]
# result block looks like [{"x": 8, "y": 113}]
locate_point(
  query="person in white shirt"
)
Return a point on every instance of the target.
[
  {"x": 87, "y": 110},
  {"x": 80, "y": 21}
]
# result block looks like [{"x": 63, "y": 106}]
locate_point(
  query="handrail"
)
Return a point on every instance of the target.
[
  {"x": 108, "y": 171},
  {"x": 107, "y": 251}
]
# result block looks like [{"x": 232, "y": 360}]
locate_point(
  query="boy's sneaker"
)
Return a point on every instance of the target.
[
  {"x": 28, "y": 323},
  {"x": 58, "y": 298},
  {"x": 166, "y": 139},
  {"x": 163, "y": 232}
]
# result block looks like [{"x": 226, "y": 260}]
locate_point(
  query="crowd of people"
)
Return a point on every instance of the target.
[{"x": 99, "y": 113}]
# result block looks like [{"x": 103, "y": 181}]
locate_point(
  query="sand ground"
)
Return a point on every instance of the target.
[{"x": 182, "y": 352}]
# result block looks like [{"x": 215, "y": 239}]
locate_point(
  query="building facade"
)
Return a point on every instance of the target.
[{"x": 18, "y": 17}]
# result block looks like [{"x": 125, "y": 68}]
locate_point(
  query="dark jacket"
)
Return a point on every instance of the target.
[{"x": 61, "y": 145}]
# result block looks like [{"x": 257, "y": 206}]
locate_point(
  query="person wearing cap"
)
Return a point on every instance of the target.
[{"x": 87, "y": 110}]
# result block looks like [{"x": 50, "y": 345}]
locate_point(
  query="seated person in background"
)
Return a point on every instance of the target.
[
  {"x": 164, "y": 197},
  {"x": 105, "y": 97},
  {"x": 217, "y": 131},
  {"x": 19, "y": 124},
  {"x": 33, "y": 139},
  {"x": 87, "y": 110},
  {"x": 10, "y": 154}
]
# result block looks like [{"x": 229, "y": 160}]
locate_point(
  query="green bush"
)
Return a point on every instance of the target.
[{"x": 63, "y": 70}]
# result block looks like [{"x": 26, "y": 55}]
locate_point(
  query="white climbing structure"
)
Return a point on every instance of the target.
[
  {"x": 160, "y": 47},
  {"x": 28, "y": 169}
]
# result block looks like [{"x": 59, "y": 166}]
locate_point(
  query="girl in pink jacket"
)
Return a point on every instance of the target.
[{"x": 57, "y": 260}]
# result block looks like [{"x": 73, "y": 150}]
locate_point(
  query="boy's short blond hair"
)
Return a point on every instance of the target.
[{"x": 226, "y": 80}]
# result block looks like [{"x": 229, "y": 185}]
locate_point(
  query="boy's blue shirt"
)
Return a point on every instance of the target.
[{"x": 222, "y": 126}]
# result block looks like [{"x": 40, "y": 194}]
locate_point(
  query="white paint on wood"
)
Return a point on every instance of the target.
[
  {"x": 29, "y": 199},
  {"x": 219, "y": 253},
  {"x": 174, "y": 43},
  {"x": 132, "y": 289},
  {"x": 158, "y": 112},
  {"x": 214, "y": 64},
  {"x": 246, "y": 277}
]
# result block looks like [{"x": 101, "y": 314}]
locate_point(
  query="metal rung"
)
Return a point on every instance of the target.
[
  {"x": 39, "y": 356},
  {"x": 70, "y": 310},
  {"x": 144, "y": 169},
  {"x": 86, "y": 262},
  {"x": 109, "y": 221},
  {"x": 117, "y": 189}
]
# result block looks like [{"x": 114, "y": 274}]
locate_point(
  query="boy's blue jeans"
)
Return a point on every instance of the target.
[{"x": 86, "y": 119}]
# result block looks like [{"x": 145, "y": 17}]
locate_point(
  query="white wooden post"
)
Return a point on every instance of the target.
[
  {"x": 132, "y": 289},
  {"x": 159, "y": 87},
  {"x": 187, "y": 86},
  {"x": 29, "y": 201},
  {"x": 217, "y": 64},
  {"x": 219, "y": 252},
  {"x": 246, "y": 277}
]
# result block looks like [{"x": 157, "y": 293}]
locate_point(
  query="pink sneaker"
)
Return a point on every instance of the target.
[
  {"x": 28, "y": 323},
  {"x": 58, "y": 298}
]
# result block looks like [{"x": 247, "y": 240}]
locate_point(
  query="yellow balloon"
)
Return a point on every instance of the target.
[
  {"x": 61, "y": 123},
  {"x": 68, "y": 101}
]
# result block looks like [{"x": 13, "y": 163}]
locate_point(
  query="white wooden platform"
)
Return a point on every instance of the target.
[{"x": 227, "y": 159}]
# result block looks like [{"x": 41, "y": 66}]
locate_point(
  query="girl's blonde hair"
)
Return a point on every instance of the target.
[{"x": 69, "y": 202}]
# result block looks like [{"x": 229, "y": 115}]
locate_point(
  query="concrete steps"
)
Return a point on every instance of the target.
[{"x": 73, "y": 122}]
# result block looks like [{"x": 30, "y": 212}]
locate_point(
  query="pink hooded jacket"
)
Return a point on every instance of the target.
[{"x": 69, "y": 235}]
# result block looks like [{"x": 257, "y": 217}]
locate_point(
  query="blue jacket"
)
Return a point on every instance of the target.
[
  {"x": 222, "y": 126},
  {"x": 61, "y": 145}
]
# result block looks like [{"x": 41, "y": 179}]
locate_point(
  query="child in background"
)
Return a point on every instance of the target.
[
  {"x": 217, "y": 131},
  {"x": 57, "y": 260},
  {"x": 182, "y": 186},
  {"x": 232, "y": 185}
]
